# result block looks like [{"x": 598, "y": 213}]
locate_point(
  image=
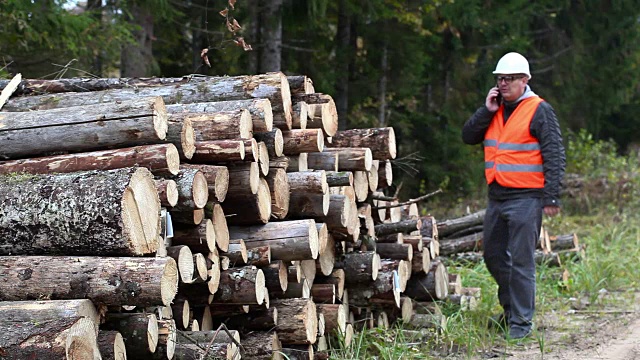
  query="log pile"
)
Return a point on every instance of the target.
[{"x": 199, "y": 216}]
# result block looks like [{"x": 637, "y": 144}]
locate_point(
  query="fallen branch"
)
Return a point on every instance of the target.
[{"x": 423, "y": 197}]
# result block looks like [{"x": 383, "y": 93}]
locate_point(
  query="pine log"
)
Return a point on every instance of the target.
[
  {"x": 274, "y": 141},
  {"x": 564, "y": 242},
  {"x": 184, "y": 259},
  {"x": 297, "y": 321},
  {"x": 366, "y": 220},
  {"x": 432, "y": 245},
  {"x": 299, "y": 84},
  {"x": 220, "y": 226},
  {"x": 338, "y": 214},
  {"x": 361, "y": 185},
  {"x": 167, "y": 192},
  {"x": 39, "y": 86},
  {"x": 298, "y": 163},
  {"x": 430, "y": 286},
  {"x": 294, "y": 272},
  {"x": 310, "y": 181},
  {"x": 111, "y": 345},
  {"x": 339, "y": 178},
  {"x": 298, "y": 141},
  {"x": 428, "y": 321},
  {"x": 199, "y": 238},
  {"x": 323, "y": 236},
  {"x": 326, "y": 160},
  {"x": 300, "y": 115},
  {"x": 353, "y": 159},
  {"x": 214, "y": 152},
  {"x": 251, "y": 152},
  {"x": 249, "y": 209},
  {"x": 181, "y": 312},
  {"x": 259, "y": 109},
  {"x": 260, "y": 345},
  {"x": 421, "y": 261},
  {"x": 322, "y": 112},
  {"x": 387, "y": 282},
  {"x": 455, "y": 284},
  {"x": 201, "y": 270},
  {"x": 263, "y": 320},
  {"x": 275, "y": 275},
  {"x": 203, "y": 315},
  {"x": 139, "y": 331},
  {"x": 323, "y": 293},
  {"x": 549, "y": 259},
  {"x": 109, "y": 281},
  {"x": 93, "y": 127},
  {"x": 181, "y": 134},
  {"x": 71, "y": 337},
  {"x": 372, "y": 175},
  {"x": 273, "y": 86},
  {"x": 309, "y": 196},
  {"x": 237, "y": 252},
  {"x": 295, "y": 290},
  {"x": 415, "y": 241},
  {"x": 326, "y": 258},
  {"x": 479, "y": 228},
  {"x": 361, "y": 267},
  {"x": 205, "y": 351},
  {"x": 281, "y": 162},
  {"x": 385, "y": 174},
  {"x": 243, "y": 285},
  {"x": 451, "y": 226},
  {"x": 161, "y": 159},
  {"x": 395, "y": 251},
  {"x": 193, "y": 190},
  {"x": 334, "y": 317},
  {"x": 289, "y": 240},
  {"x": 217, "y": 179},
  {"x": 263, "y": 158},
  {"x": 278, "y": 182},
  {"x": 167, "y": 338},
  {"x": 405, "y": 226},
  {"x": 111, "y": 212},
  {"x": 24, "y": 311},
  {"x": 471, "y": 242},
  {"x": 466, "y": 303},
  {"x": 381, "y": 141},
  {"x": 244, "y": 179}
]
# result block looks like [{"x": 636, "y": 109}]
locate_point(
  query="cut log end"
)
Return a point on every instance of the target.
[
  {"x": 286, "y": 100},
  {"x": 169, "y": 282},
  {"x": 160, "y": 118},
  {"x": 173, "y": 159},
  {"x": 200, "y": 190},
  {"x": 246, "y": 125},
  {"x": 172, "y": 193}
]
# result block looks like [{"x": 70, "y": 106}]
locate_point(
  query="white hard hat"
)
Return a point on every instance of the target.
[{"x": 513, "y": 63}]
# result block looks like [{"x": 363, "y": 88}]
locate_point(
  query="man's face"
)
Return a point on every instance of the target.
[{"x": 511, "y": 86}]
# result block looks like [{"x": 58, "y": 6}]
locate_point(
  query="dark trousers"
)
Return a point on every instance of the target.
[{"x": 511, "y": 229}]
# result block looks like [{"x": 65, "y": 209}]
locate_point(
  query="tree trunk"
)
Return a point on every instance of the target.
[
  {"x": 297, "y": 321},
  {"x": 259, "y": 109},
  {"x": 353, "y": 159},
  {"x": 112, "y": 212},
  {"x": 161, "y": 159},
  {"x": 270, "y": 36},
  {"x": 49, "y": 339},
  {"x": 91, "y": 127},
  {"x": 274, "y": 141},
  {"x": 136, "y": 59},
  {"x": 343, "y": 54},
  {"x": 193, "y": 189},
  {"x": 109, "y": 281},
  {"x": 381, "y": 141},
  {"x": 289, "y": 240},
  {"x": 323, "y": 160},
  {"x": 323, "y": 293}
]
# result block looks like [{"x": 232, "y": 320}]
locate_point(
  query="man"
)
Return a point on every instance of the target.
[{"x": 524, "y": 164}]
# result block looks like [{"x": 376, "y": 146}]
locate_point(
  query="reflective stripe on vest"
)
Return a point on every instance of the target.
[{"x": 512, "y": 156}]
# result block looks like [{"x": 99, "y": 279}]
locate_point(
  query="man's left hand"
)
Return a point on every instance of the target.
[{"x": 551, "y": 210}]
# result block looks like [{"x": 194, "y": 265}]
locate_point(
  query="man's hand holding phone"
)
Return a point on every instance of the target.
[{"x": 492, "y": 102}]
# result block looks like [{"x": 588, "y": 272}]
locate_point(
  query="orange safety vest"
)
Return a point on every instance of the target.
[{"x": 512, "y": 156}]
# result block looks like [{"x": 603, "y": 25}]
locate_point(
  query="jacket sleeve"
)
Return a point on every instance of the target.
[
  {"x": 545, "y": 127},
  {"x": 475, "y": 128}
]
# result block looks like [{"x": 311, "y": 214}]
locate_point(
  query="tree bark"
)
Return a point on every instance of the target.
[
  {"x": 300, "y": 115},
  {"x": 259, "y": 256},
  {"x": 353, "y": 159},
  {"x": 405, "y": 226},
  {"x": 395, "y": 251},
  {"x": 471, "y": 242},
  {"x": 112, "y": 212},
  {"x": 214, "y": 152},
  {"x": 136, "y": 58},
  {"x": 111, "y": 345},
  {"x": 385, "y": 174},
  {"x": 161, "y": 159},
  {"x": 339, "y": 178},
  {"x": 289, "y": 240},
  {"x": 92, "y": 127},
  {"x": 139, "y": 331},
  {"x": 275, "y": 275},
  {"x": 237, "y": 252},
  {"x": 109, "y": 281},
  {"x": 421, "y": 262},
  {"x": 322, "y": 112},
  {"x": 274, "y": 141},
  {"x": 451, "y": 226},
  {"x": 21, "y": 311},
  {"x": 249, "y": 209},
  {"x": 278, "y": 182},
  {"x": 167, "y": 192},
  {"x": 270, "y": 35},
  {"x": 193, "y": 189},
  {"x": 323, "y": 160},
  {"x": 261, "y": 346},
  {"x": 243, "y": 285},
  {"x": 430, "y": 286},
  {"x": 217, "y": 179},
  {"x": 361, "y": 267}
]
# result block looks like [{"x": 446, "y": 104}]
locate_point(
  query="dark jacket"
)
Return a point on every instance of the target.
[{"x": 545, "y": 128}]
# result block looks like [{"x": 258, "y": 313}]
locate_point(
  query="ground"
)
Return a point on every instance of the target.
[{"x": 611, "y": 333}]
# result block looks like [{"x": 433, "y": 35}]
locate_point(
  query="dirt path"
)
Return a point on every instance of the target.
[{"x": 606, "y": 335}]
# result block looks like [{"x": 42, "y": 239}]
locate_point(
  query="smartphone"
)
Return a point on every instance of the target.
[{"x": 499, "y": 98}]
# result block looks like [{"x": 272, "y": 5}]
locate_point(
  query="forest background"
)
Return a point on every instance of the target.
[{"x": 422, "y": 67}]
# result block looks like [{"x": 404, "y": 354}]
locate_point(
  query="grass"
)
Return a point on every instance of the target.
[{"x": 607, "y": 276}]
